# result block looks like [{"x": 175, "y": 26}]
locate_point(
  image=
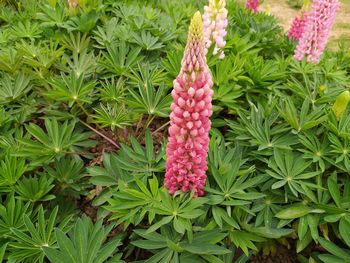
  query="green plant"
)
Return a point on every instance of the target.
[
  {"x": 30, "y": 242},
  {"x": 84, "y": 244},
  {"x": 85, "y": 94},
  {"x": 59, "y": 140}
]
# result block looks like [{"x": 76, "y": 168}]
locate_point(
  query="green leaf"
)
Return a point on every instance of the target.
[
  {"x": 2, "y": 252},
  {"x": 163, "y": 221},
  {"x": 201, "y": 249},
  {"x": 294, "y": 211},
  {"x": 335, "y": 250},
  {"x": 344, "y": 229}
]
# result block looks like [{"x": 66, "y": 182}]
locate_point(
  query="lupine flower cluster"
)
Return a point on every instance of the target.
[
  {"x": 297, "y": 28},
  {"x": 252, "y": 5},
  {"x": 319, "y": 23},
  {"x": 187, "y": 148},
  {"x": 214, "y": 25}
]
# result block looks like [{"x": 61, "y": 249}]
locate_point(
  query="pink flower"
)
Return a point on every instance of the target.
[
  {"x": 187, "y": 148},
  {"x": 252, "y": 5},
  {"x": 297, "y": 28},
  {"x": 318, "y": 26},
  {"x": 214, "y": 24}
]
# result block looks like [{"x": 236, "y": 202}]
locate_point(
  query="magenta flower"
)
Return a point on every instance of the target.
[
  {"x": 297, "y": 28},
  {"x": 252, "y": 5},
  {"x": 187, "y": 148},
  {"x": 214, "y": 25},
  {"x": 318, "y": 26}
]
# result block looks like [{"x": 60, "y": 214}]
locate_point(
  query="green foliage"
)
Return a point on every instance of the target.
[
  {"x": 29, "y": 243},
  {"x": 85, "y": 97},
  {"x": 84, "y": 244},
  {"x": 59, "y": 140}
]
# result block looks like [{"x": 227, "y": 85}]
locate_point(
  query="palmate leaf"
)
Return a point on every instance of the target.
[
  {"x": 61, "y": 138},
  {"x": 76, "y": 42},
  {"x": 290, "y": 171},
  {"x": 172, "y": 63},
  {"x": 120, "y": 58},
  {"x": 83, "y": 23},
  {"x": 51, "y": 16},
  {"x": 40, "y": 57},
  {"x": 82, "y": 63},
  {"x": 141, "y": 160},
  {"x": 29, "y": 243},
  {"x": 315, "y": 149},
  {"x": 68, "y": 172},
  {"x": 178, "y": 210},
  {"x": 11, "y": 169},
  {"x": 110, "y": 173},
  {"x": 262, "y": 130},
  {"x": 304, "y": 119},
  {"x": 133, "y": 201},
  {"x": 71, "y": 89},
  {"x": 13, "y": 89},
  {"x": 10, "y": 60},
  {"x": 86, "y": 243},
  {"x": 147, "y": 99},
  {"x": 112, "y": 91},
  {"x": 244, "y": 240},
  {"x": 11, "y": 214},
  {"x": 231, "y": 184},
  {"x": 147, "y": 41},
  {"x": 146, "y": 73},
  {"x": 35, "y": 188},
  {"x": 27, "y": 29},
  {"x": 113, "y": 116},
  {"x": 168, "y": 246},
  {"x": 106, "y": 35}
]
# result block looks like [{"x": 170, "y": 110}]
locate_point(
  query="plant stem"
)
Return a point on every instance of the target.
[
  {"x": 101, "y": 134},
  {"x": 161, "y": 127},
  {"x": 148, "y": 122},
  {"x": 93, "y": 129}
]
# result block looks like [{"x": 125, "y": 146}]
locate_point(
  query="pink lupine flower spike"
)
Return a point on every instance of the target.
[
  {"x": 252, "y": 5},
  {"x": 299, "y": 22},
  {"x": 318, "y": 26},
  {"x": 297, "y": 27},
  {"x": 187, "y": 148}
]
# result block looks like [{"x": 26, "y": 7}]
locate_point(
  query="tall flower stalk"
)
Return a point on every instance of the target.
[
  {"x": 187, "y": 148},
  {"x": 318, "y": 26},
  {"x": 252, "y": 5},
  {"x": 214, "y": 25}
]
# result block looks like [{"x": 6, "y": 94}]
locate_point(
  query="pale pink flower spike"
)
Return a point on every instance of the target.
[{"x": 214, "y": 26}]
